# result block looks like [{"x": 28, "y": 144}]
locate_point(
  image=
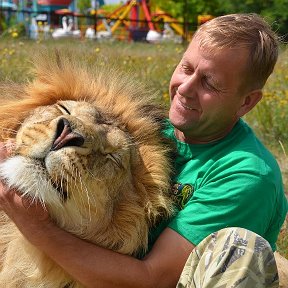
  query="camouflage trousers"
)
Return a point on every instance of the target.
[{"x": 232, "y": 257}]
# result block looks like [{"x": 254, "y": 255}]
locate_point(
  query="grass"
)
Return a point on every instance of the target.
[{"x": 154, "y": 65}]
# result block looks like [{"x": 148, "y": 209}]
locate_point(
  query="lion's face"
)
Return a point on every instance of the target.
[
  {"x": 70, "y": 155},
  {"x": 72, "y": 138}
]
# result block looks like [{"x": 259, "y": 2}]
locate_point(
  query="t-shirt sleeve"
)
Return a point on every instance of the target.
[{"x": 227, "y": 198}]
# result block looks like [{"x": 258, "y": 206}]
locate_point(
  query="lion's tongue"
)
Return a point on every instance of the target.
[{"x": 67, "y": 138}]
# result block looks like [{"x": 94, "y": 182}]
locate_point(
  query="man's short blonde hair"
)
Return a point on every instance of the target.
[{"x": 243, "y": 31}]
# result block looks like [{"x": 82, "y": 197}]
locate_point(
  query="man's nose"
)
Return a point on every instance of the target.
[{"x": 188, "y": 86}]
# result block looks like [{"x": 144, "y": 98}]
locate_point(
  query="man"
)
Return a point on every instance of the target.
[{"x": 226, "y": 177}]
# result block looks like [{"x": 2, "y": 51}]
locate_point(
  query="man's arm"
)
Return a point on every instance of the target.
[
  {"x": 98, "y": 267},
  {"x": 94, "y": 266}
]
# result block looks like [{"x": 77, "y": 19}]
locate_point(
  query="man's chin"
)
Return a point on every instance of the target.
[{"x": 182, "y": 123}]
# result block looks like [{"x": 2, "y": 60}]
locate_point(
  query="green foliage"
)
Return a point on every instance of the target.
[
  {"x": 110, "y": 7},
  {"x": 275, "y": 11},
  {"x": 14, "y": 31},
  {"x": 271, "y": 115},
  {"x": 175, "y": 8},
  {"x": 84, "y": 5},
  {"x": 246, "y": 6},
  {"x": 278, "y": 13},
  {"x": 191, "y": 7}
]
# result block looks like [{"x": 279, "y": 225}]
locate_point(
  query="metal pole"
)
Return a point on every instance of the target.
[
  {"x": 185, "y": 21},
  {"x": 96, "y": 19},
  {"x": 1, "y": 15}
]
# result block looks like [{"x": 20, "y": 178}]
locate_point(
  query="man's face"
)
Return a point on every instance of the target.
[{"x": 205, "y": 93}]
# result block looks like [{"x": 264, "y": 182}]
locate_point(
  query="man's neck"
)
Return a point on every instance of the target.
[{"x": 202, "y": 139}]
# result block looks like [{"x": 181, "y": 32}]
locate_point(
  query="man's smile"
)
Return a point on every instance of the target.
[{"x": 188, "y": 107}]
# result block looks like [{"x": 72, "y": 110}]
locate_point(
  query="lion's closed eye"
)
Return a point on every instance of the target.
[
  {"x": 64, "y": 109},
  {"x": 116, "y": 158}
]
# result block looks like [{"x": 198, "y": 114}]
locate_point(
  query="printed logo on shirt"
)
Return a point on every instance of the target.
[{"x": 181, "y": 193}]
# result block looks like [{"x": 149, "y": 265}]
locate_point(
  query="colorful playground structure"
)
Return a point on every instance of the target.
[{"x": 133, "y": 20}]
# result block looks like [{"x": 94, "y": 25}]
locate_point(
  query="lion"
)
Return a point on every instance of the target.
[{"x": 88, "y": 146}]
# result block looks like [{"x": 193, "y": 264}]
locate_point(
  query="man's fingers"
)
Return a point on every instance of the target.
[
  {"x": 3, "y": 151},
  {"x": 6, "y": 149},
  {"x": 6, "y": 195},
  {"x": 10, "y": 146}
]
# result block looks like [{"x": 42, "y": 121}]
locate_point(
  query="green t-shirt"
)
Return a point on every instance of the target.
[{"x": 233, "y": 182}]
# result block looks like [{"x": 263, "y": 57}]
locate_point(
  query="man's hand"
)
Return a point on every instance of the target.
[
  {"x": 5, "y": 149},
  {"x": 29, "y": 215}
]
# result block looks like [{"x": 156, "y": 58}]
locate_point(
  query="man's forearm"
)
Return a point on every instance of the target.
[{"x": 91, "y": 265}]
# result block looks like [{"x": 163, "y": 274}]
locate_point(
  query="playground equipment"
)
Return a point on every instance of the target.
[
  {"x": 6, "y": 11},
  {"x": 114, "y": 22},
  {"x": 61, "y": 14},
  {"x": 102, "y": 34},
  {"x": 8, "y": 5},
  {"x": 172, "y": 30},
  {"x": 33, "y": 29},
  {"x": 90, "y": 32},
  {"x": 132, "y": 20},
  {"x": 139, "y": 12},
  {"x": 66, "y": 30},
  {"x": 138, "y": 22},
  {"x": 201, "y": 19}
]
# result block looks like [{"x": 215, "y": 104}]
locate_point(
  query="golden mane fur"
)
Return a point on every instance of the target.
[{"x": 136, "y": 205}]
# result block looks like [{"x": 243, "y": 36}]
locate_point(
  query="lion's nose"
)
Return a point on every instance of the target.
[{"x": 65, "y": 136}]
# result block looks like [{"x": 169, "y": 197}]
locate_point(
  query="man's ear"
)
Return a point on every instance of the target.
[{"x": 249, "y": 101}]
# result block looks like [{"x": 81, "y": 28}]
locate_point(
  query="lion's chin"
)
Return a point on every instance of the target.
[{"x": 30, "y": 178}]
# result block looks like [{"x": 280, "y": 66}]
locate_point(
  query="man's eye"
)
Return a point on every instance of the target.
[
  {"x": 186, "y": 69},
  {"x": 206, "y": 83},
  {"x": 210, "y": 86}
]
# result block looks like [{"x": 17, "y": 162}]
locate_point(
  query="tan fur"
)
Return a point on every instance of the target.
[{"x": 116, "y": 182}]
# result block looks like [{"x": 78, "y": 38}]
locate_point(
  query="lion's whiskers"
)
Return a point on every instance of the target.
[
  {"x": 62, "y": 177},
  {"x": 67, "y": 187},
  {"x": 88, "y": 193},
  {"x": 88, "y": 199},
  {"x": 84, "y": 190},
  {"x": 90, "y": 172}
]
